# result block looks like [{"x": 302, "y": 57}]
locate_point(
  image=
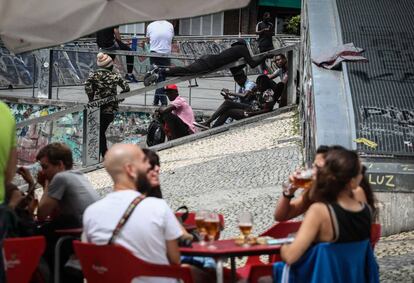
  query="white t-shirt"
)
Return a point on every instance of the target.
[
  {"x": 160, "y": 34},
  {"x": 145, "y": 233}
]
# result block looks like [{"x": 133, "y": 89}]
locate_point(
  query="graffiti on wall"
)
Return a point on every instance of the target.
[
  {"x": 127, "y": 127},
  {"x": 73, "y": 68}
]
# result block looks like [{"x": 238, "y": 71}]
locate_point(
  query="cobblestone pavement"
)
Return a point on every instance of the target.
[
  {"x": 242, "y": 170},
  {"x": 395, "y": 255}
]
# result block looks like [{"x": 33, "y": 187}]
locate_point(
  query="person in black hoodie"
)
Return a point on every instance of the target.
[{"x": 208, "y": 63}]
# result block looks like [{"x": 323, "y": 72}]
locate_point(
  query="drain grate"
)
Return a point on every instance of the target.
[{"x": 382, "y": 89}]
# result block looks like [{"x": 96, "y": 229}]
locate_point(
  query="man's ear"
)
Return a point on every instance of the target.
[
  {"x": 61, "y": 165},
  {"x": 131, "y": 171}
]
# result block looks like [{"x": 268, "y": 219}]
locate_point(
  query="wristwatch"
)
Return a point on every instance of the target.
[
  {"x": 287, "y": 193},
  {"x": 288, "y": 196}
]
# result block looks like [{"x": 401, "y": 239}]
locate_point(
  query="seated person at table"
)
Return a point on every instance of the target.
[
  {"x": 19, "y": 209},
  {"x": 238, "y": 111},
  {"x": 152, "y": 230},
  {"x": 289, "y": 207},
  {"x": 66, "y": 192},
  {"x": 154, "y": 190},
  {"x": 178, "y": 115},
  {"x": 334, "y": 215},
  {"x": 208, "y": 63}
]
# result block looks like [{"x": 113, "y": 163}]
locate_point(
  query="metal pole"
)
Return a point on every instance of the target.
[
  {"x": 240, "y": 15},
  {"x": 50, "y": 83},
  {"x": 291, "y": 93},
  {"x": 34, "y": 76},
  {"x": 189, "y": 93},
  {"x": 58, "y": 78}
]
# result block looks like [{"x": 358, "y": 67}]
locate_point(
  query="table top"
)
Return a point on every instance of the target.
[{"x": 228, "y": 248}]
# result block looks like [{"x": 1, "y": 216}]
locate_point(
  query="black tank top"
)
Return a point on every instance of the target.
[{"x": 350, "y": 226}]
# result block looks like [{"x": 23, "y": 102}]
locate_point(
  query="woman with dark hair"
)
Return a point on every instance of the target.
[
  {"x": 334, "y": 215},
  {"x": 153, "y": 175},
  {"x": 289, "y": 207},
  {"x": 364, "y": 192}
]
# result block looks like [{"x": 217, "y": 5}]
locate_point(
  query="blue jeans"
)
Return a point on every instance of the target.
[{"x": 160, "y": 92}]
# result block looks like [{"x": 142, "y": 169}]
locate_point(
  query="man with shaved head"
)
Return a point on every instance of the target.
[{"x": 152, "y": 230}]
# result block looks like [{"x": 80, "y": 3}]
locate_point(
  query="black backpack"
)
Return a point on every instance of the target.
[{"x": 156, "y": 134}]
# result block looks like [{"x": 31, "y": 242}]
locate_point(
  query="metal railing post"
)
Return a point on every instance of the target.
[
  {"x": 34, "y": 76},
  {"x": 189, "y": 93},
  {"x": 291, "y": 91},
  {"x": 50, "y": 82}
]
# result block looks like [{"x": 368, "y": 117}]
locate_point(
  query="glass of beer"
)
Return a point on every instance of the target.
[
  {"x": 246, "y": 226},
  {"x": 212, "y": 224},
  {"x": 200, "y": 218},
  {"x": 303, "y": 179}
]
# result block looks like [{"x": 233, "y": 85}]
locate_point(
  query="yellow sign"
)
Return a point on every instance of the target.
[{"x": 367, "y": 142}]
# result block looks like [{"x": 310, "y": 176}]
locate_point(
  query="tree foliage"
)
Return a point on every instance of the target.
[{"x": 293, "y": 25}]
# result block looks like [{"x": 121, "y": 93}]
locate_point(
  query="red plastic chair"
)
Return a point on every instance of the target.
[
  {"x": 113, "y": 263},
  {"x": 191, "y": 221},
  {"x": 279, "y": 230},
  {"x": 375, "y": 234},
  {"x": 22, "y": 256},
  {"x": 259, "y": 270}
]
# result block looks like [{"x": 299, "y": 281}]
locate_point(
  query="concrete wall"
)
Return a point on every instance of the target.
[{"x": 396, "y": 212}]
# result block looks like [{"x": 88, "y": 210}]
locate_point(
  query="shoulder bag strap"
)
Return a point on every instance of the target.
[{"x": 125, "y": 217}]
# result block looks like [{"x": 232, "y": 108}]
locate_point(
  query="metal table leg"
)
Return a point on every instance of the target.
[
  {"x": 59, "y": 244},
  {"x": 219, "y": 270},
  {"x": 233, "y": 269}
]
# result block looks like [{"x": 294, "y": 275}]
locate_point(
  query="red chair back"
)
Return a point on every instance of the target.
[
  {"x": 22, "y": 256},
  {"x": 258, "y": 271},
  {"x": 375, "y": 234},
  {"x": 113, "y": 263},
  {"x": 191, "y": 221},
  {"x": 279, "y": 230}
]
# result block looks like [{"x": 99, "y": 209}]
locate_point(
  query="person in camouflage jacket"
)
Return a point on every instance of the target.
[{"x": 101, "y": 84}]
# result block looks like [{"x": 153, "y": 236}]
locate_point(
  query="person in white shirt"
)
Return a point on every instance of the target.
[
  {"x": 152, "y": 230},
  {"x": 160, "y": 35}
]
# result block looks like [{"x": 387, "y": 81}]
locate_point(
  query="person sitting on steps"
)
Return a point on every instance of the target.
[
  {"x": 178, "y": 116},
  {"x": 268, "y": 95}
]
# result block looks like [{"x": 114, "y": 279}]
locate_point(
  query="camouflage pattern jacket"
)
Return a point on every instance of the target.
[{"x": 103, "y": 83}]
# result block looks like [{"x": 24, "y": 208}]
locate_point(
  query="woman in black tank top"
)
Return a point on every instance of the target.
[{"x": 334, "y": 216}]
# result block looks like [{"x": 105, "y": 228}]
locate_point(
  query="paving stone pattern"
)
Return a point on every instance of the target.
[{"x": 242, "y": 170}]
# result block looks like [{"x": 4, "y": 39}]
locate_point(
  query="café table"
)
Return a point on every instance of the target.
[{"x": 228, "y": 249}]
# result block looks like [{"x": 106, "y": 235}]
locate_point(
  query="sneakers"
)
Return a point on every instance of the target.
[
  {"x": 152, "y": 76},
  {"x": 131, "y": 78},
  {"x": 201, "y": 125}
]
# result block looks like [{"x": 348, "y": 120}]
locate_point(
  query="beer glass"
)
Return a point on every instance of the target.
[
  {"x": 212, "y": 224},
  {"x": 245, "y": 225},
  {"x": 303, "y": 179},
  {"x": 200, "y": 219}
]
